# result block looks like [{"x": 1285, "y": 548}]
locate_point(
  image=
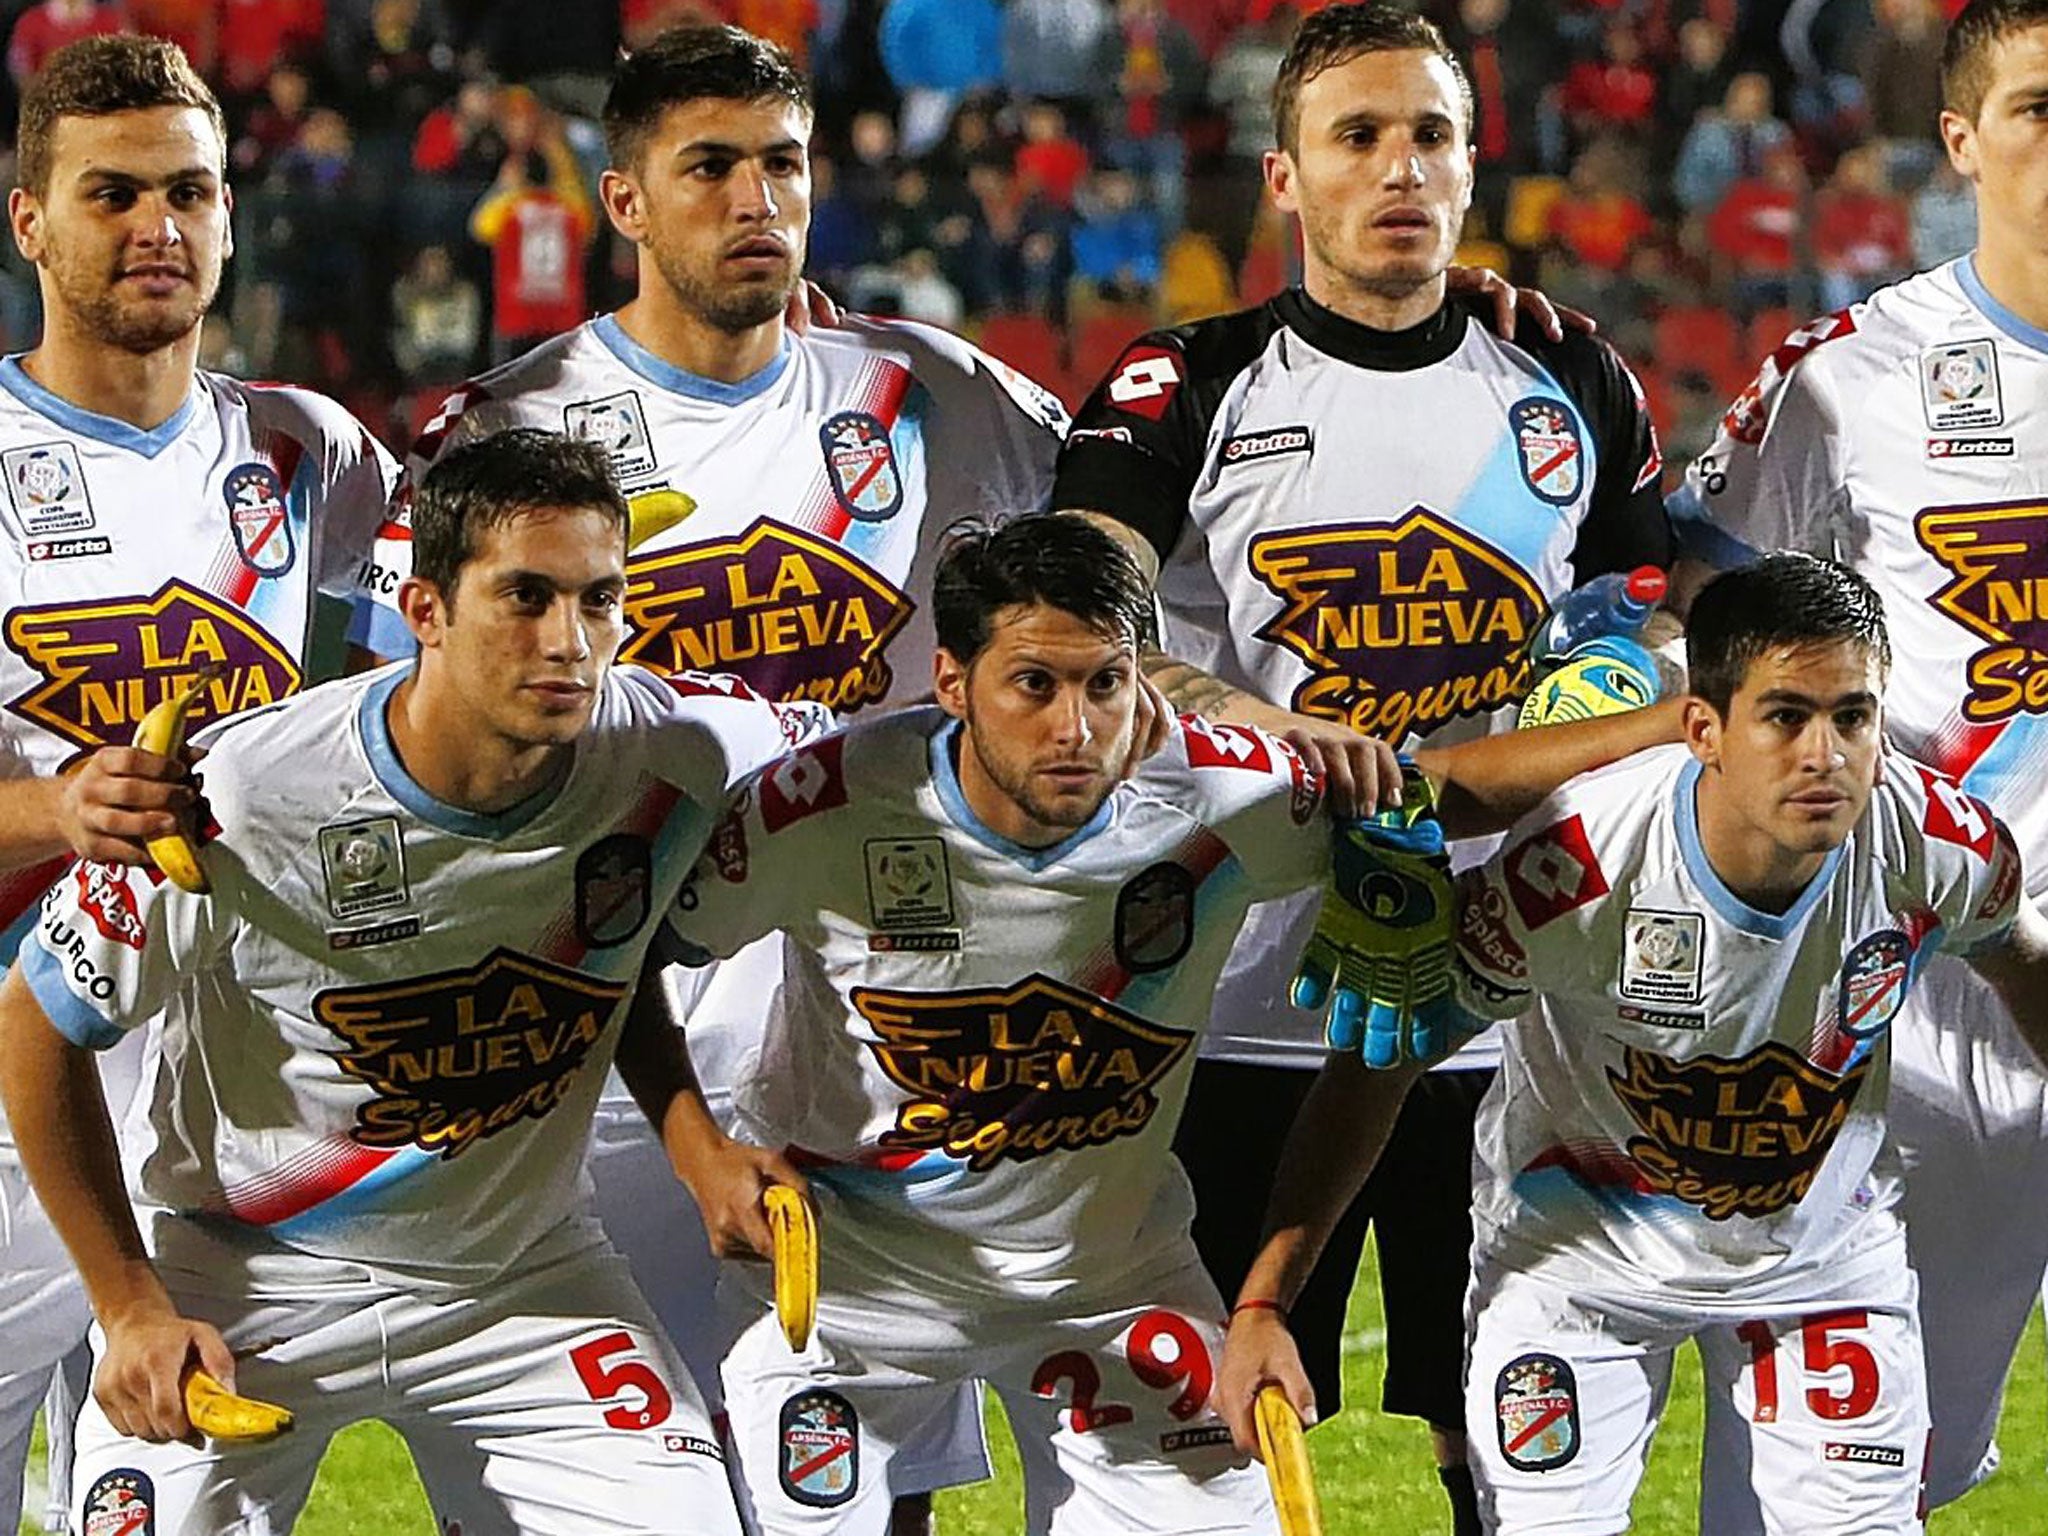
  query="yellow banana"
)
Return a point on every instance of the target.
[
  {"x": 219, "y": 1414},
  {"x": 1285, "y": 1448},
  {"x": 162, "y": 731},
  {"x": 653, "y": 512},
  {"x": 795, "y": 1228}
]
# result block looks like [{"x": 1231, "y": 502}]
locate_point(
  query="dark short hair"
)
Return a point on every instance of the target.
[
  {"x": 1966, "y": 53},
  {"x": 686, "y": 64},
  {"x": 1780, "y": 600},
  {"x": 97, "y": 77},
  {"x": 1340, "y": 33},
  {"x": 1061, "y": 561},
  {"x": 487, "y": 483}
]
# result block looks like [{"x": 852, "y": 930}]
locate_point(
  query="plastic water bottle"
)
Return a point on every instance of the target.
[{"x": 1619, "y": 603}]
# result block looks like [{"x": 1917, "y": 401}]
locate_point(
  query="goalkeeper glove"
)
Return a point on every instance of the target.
[{"x": 1380, "y": 955}]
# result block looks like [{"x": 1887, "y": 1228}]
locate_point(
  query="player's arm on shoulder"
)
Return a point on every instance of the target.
[
  {"x": 1336, "y": 1138},
  {"x": 724, "y": 1176},
  {"x": 1487, "y": 785}
]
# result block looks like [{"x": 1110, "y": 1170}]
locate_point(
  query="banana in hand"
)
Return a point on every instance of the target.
[
  {"x": 1285, "y": 1448},
  {"x": 162, "y": 731},
  {"x": 219, "y": 1414},
  {"x": 795, "y": 1228}
]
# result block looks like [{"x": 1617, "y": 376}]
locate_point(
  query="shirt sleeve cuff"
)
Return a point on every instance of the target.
[{"x": 77, "y": 1021}]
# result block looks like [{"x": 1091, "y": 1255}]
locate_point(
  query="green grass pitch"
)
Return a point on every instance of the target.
[{"x": 1373, "y": 1471}]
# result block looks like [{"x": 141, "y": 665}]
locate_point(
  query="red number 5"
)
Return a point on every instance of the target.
[{"x": 633, "y": 1374}]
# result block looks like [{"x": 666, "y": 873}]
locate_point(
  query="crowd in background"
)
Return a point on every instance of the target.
[{"x": 416, "y": 180}]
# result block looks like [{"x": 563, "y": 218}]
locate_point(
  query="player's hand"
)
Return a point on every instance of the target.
[
  {"x": 121, "y": 797},
  {"x": 1360, "y": 774},
  {"x": 1507, "y": 299},
  {"x": 1380, "y": 956},
  {"x": 810, "y": 305},
  {"x": 1258, "y": 1349},
  {"x": 1152, "y": 723},
  {"x": 140, "y": 1380},
  {"x": 727, "y": 1182}
]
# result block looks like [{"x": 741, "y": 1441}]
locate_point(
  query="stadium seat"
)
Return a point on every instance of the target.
[
  {"x": 1101, "y": 339},
  {"x": 1031, "y": 344}
]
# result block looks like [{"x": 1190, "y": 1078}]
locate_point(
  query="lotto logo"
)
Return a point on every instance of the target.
[
  {"x": 802, "y": 783},
  {"x": 1145, "y": 381},
  {"x": 1553, "y": 873},
  {"x": 1956, "y": 816}
]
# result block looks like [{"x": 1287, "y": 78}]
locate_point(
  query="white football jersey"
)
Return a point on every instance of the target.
[
  {"x": 1695, "y": 1105},
  {"x": 384, "y": 1030},
  {"x": 1908, "y": 436},
  {"x": 133, "y": 559},
  {"x": 982, "y": 1049}
]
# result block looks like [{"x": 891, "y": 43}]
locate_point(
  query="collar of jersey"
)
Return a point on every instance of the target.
[
  {"x": 373, "y": 719},
  {"x": 2008, "y": 322},
  {"x": 1729, "y": 907},
  {"x": 1363, "y": 346},
  {"x": 101, "y": 429},
  {"x": 606, "y": 328},
  {"x": 946, "y": 780}
]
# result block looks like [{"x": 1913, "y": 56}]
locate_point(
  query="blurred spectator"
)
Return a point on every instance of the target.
[
  {"x": 48, "y": 25},
  {"x": 437, "y": 320},
  {"x": 1728, "y": 146},
  {"x": 460, "y": 138},
  {"x": 868, "y": 173},
  {"x": 1049, "y": 49},
  {"x": 563, "y": 50},
  {"x": 536, "y": 222},
  {"x": 1902, "y": 83},
  {"x": 1944, "y": 216},
  {"x": 1862, "y": 233},
  {"x": 1050, "y": 161},
  {"x": 1597, "y": 221},
  {"x": 1117, "y": 241},
  {"x": 1158, "y": 77},
  {"x": 1027, "y": 255},
  {"x": 924, "y": 294},
  {"x": 936, "y": 51},
  {"x": 909, "y": 220},
  {"x": 1696, "y": 82},
  {"x": 841, "y": 238},
  {"x": 1753, "y": 228},
  {"x": 259, "y": 36},
  {"x": 1241, "y": 87},
  {"x": 312, "y": 248},
  {"x": 194, "y": 25},
  {"x": 971, "y": 138},
  {"x": 1614, "y": 91},
  {"x": 392, "y": 59},
  {"x": 1194, "y": 280},
  {"x": 272, "y": 125},
  {"x": 787, "y": 23}
]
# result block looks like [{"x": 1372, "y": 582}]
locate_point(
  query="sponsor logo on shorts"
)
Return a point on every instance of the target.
[
  {"x": 1402, "y": 626},
  {"x": 1011, "y": 1074},
  {"x": 121, "y": 1503},
  {"x": 369, "y": 938},
  {"x": 793, "y": 613},
  {"x": 1155, "y": 918},
  {"x": 1269, "y": 444},
  {"x": 614, "y": 880},
  {"x": 461, "y": 1055},
  {"x": 1997, "y": 555},
  {"x": 103, "y": 665},
  {"x": 860, "y": 461},
  {"x": 819, "y": 1464},
  {"x": 1174, "y": 1441},
  {"x": 909, "y": 883},
  {"x": 1536, "y": 1413},
  {"x": 1742, "y": 1137},
  {"x": 914, "y": 943},
  {"x": 1661, "y": 956},
  {"x": 105, "y": 896},
  {"x": 1969, "y": 448},
  {"x": 1959, "y": 386},
  {"x": 690, "y": 1445},
  {"x": 363, "y": 863},
  {"x": 1868, "y": 1455},
  {"x": 69, "y": 549},
  {"x": 1553, "y": 459},
  {"x": 258, "y": 518}
]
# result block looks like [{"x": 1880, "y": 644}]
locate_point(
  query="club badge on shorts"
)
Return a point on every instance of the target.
[
  {"x": 861, "y": 463},
  {"x": 1875, "y": 978},
  {"x": 121, "y": 1503},
  {"x": 259, "y": 519},
  {"x": 1553, "y": 457},
  {"x": 614, "y": 881},
  {"x": 1155, "y": 918},
  {"x": 1536, "y": 1412},
  {"x": 820, "y": 1450}
]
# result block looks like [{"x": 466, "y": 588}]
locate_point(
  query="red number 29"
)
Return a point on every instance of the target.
[{"x": 1164, "y": 1352}]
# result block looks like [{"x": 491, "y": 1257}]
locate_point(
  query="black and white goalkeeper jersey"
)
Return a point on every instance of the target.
[{"x": 1363, "y": 526}]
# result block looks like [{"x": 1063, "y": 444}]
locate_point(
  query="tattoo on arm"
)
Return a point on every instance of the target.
[{"x": 1187, "y": 688}]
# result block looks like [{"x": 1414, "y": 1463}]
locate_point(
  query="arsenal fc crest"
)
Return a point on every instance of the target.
[
  {"x": 258, "y": 518},
  {"x": 820, "y": 1451},
  {"x": 1155, "y": 918},
  {"x": 1536, "y": 1411},
  {"x": 1875, "y": 979},
  {"x": 614, "y": 877},
  {"x": 121, "y": 1503},
  {"x": 861, "y": 464},
  {"x": 1553, "y": 456}
]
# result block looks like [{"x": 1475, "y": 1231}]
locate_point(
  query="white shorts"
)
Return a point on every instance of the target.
[
  {"x": 1109, "y": 1411},
  {"x": 43, "y": 1318},
  {"x": 1969, "y": 1114},
  {"x": 1563, "y": 1392},
  {"x": 547, "y": 1404}
]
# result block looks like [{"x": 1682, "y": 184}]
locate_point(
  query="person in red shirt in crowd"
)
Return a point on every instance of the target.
[
  {"x": 460, "y": 137},
  {"x": 537, "y": 222},
  {"x": 1753, "y": 229},
  {"x": 256, "y": 36},
  {"x": 1050, "y": 161},
  {"x": 1596, "y": 220},
  {"x": 1862, "y": 231},
  {"x": 47, "y": 26},
  {"x": 1615, "y": 90}
]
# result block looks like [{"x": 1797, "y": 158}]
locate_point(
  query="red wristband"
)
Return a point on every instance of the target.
[{"x": 1260, "y": 1304}]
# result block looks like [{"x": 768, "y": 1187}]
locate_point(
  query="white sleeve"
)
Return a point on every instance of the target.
[
  {"x": 1259, "y": 796},
  {"x": 1953, "y": 856},
  {"x": 1527, "y": 913}
]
